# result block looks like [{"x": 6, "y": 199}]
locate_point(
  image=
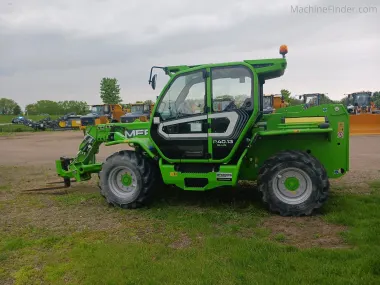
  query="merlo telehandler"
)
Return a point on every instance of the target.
[{"x": 291, "y": 153}]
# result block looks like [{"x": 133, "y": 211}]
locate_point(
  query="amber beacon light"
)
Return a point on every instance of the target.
[{"x": 283, "y": 50}]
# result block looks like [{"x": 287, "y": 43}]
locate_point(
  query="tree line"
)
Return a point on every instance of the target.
[
  {"x": 57, "y": 108},
  {"x": 10, "y": 107},
  {"x": 110, "y": 94}
]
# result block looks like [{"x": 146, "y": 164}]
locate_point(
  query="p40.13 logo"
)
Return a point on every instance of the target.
[
  {"x": 222, "y": 142},
  {"x": 133, "y": 133}
]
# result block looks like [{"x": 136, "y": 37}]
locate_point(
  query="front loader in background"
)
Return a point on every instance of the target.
[
  {"x": 193, "y": 144},
  {"x": 312, "y": 99},
  {"x": 139, "y": 111},
  {"x": 273, "y": 102},
  {"x": 364, "y": 116},
  {"x": 102, "y": 114}
]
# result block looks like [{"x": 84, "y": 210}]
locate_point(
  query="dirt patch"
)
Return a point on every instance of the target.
[
  {"x": 182, "y": 242},
  {"x": 45, "y": 148},
  {"x": 77, "y": 209},
  {"x": 305, "y": 232}
]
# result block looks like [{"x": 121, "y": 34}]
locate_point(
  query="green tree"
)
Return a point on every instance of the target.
[
  {"x": 343, "y": 101},
  {"x": 31, "y": 109},
  {"x": 7, "y": 106},
  {"x": 148, "y": 102},
  {"x": 77, "y": 107},
  {"x": 294, "y": 101},
  {"x": 17, "y": 110},
  {"x": 376, "y": 99},
  {"x": 109, "y": 91},
  {"x": 47, "y": 107},
  {"x": 326, "y": 100},
  {"x": 286, "y": 95}
]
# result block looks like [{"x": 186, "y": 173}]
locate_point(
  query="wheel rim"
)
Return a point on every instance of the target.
[
  {"x": 292, "y": 186},
  {"x": 123, "y": 182}
]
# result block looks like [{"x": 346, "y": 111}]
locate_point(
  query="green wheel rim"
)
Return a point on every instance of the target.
[
  {"x": 292, "y": 183},
  {"x": 126, "y": 179}
]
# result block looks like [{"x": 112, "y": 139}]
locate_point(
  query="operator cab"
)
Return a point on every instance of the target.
[
  {"x": 311, "y": 100},
  {"x": 188, "y": 119},
  {"x": 359, "y": 102},
  {"x": 139, "y": 111},
  {"x": 96, "y": 112},
  {"x": 204, "y": 112},
  {"x": 100, "y": 110},
  {"x": 268, "y": 107}
]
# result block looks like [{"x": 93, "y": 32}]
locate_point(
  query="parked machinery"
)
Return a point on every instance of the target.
[
  {"x": 364, "y": 116},
  {"x": 102, "y": 114},
  {"x": 291, "y": 153}
]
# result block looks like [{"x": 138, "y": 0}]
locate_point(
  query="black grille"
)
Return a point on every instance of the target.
[{"x": 196, "y": 182}]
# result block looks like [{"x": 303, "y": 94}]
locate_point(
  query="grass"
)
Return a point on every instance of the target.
[
  {"x": 8, "y": 118},
  {"x": 7, "y": 129},
  {"x": 183, "y": 238},
  {"x": 10, "y": 129}
]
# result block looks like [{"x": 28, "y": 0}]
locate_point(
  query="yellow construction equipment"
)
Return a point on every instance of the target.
[
  {"x": 365, "y": 117},
  {"x": 69, "y": 121},
  {"x": 102, "y": 114},
  {"x": 273, "y": 102},
  {"x": 139, "y": 111}
]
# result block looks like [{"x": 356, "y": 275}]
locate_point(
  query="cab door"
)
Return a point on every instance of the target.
[
  {"x": 179, "y": 126},
  {"x": 231, "y": 106}
]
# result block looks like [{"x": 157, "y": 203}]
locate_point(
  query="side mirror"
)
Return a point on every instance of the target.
[
  {"x": 300, "y": 97},
  {"x": 242, "y": 80},
  {"x": 154, "y": 81}
]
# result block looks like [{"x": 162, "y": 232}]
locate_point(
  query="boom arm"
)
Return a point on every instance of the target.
[{"x": 84, "y": 164}]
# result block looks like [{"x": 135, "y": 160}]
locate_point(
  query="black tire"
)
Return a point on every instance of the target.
[
  {"x": 143, "y": 173},
  {"x": 311, "y": 172}
]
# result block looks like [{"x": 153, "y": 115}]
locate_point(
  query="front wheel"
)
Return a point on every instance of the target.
[
  {"x": 127, "y": 179},
  {"x": 293, "y": 183}
]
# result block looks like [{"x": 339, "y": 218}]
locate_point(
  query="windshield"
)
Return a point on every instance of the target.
[
  {"x": 100, "y": 109},
  {"x": 362, "y": 99},
  {"x": 137, "y": 108},
  {"x": 267, "y": 102},
  {"x": 312, "y": 100}
]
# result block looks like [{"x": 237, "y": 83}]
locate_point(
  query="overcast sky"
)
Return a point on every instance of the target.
[{"x": 60, "y": 49}]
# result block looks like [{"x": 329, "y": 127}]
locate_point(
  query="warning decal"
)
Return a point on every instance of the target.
[{"x": 340, "y": 130}]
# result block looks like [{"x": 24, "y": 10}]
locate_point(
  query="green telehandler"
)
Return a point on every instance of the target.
[{"x": 187, "y": 143}]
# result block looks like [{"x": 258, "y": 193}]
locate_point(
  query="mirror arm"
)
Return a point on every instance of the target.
[{"x": 151, "y": 71}]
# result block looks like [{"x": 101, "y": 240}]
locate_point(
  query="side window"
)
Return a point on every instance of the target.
[
  {"x": 231, "y": 88},
  {"x": 186, "y": 96}
]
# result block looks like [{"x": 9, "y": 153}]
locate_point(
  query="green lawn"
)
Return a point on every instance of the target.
[
  {"x": 8, "y": 129},
  {"x": 219, "y": 237},
  {"x": 8, "y": 118}
]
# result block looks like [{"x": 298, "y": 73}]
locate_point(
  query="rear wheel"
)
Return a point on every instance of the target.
[
  {"x": 127, "y": 179},
  {"x": 293, "y": 183}
]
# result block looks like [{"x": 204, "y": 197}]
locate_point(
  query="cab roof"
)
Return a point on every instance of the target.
[{"x": 265, "y": 68}]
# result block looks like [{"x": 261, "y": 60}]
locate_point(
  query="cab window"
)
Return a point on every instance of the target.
[
  {"x": 186, "y": 96},
  {"x": 231, "y": 88}
]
